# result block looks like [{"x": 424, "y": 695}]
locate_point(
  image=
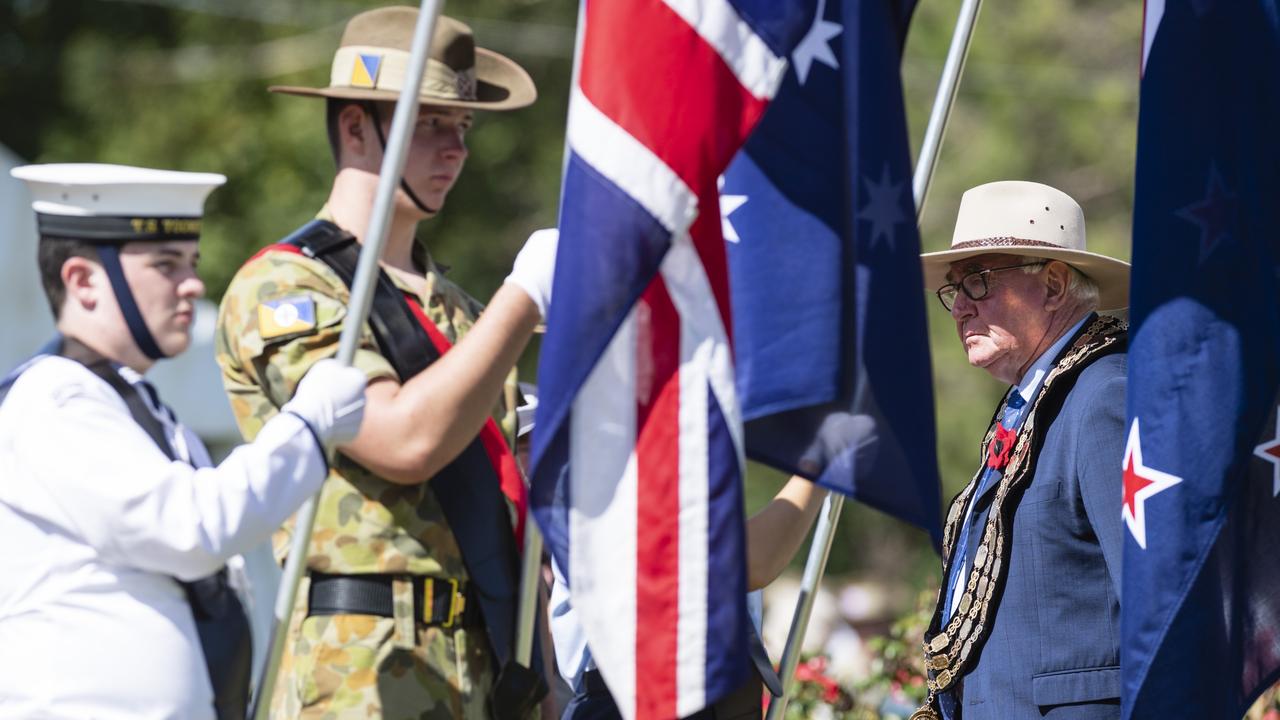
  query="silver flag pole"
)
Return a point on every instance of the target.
[
  {"x": 819, "y": 551},
  {"x": 814, "y": 567},
  {"x": 531, "y": 569},
  {"x": 375, "y": 238},
  {"x": 943, "y": 101}
]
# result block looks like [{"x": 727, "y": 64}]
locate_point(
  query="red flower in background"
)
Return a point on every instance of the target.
[{"x": 814, "y": 671}]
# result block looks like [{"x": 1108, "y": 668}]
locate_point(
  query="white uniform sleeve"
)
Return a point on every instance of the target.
[{"x": 105, "y": 480}]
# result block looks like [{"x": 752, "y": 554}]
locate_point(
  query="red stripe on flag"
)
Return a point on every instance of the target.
[
  {"x": 651, "y": 73},
  {"x": 657, "y": 501},
  {"x": 708, "y": 241}
]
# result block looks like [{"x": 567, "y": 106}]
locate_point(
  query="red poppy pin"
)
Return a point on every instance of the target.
[{"x": 1001, "y": 447}]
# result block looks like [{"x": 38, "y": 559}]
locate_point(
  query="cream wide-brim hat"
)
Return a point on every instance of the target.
[
  {"x": 1026, "y": 218},
  {"x": 373, "y": 59}
]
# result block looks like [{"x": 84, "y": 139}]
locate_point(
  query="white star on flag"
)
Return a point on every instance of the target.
[
  {"x": 884, "y": 208},
  {"x": 729, "y": 203},
  {"x": 1270, "y": 451},
  {"x": 815, "y": 45},
  {"x": 1140, "y": 483}
]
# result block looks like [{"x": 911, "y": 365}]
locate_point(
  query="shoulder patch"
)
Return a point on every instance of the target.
[{"x": 286, "y": 316}]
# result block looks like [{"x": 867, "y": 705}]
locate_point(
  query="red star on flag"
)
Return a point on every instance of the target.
[
  {"x": 1270, "y": 451},
  {"x": 1140, "y": 483}
]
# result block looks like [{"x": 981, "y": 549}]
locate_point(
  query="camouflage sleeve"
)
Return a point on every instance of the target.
[{"x": 282, "y": 313}]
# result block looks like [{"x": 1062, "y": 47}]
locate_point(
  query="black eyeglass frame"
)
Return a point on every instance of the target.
[{"x": 952, "y": 289}]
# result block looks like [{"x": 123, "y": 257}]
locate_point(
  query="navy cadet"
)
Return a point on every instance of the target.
[
  {"x": 408, "y": 608},
  {"x": 115, "y": 524},
  {"x": 1028, "y": 617}
]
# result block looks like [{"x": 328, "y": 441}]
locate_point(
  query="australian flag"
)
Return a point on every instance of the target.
[
  {"x": 1200, "y": 611},
  {"x": 833, "y": 368}
]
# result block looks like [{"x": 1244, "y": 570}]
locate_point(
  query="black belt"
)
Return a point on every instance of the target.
[{"x": 442, "y": 602}]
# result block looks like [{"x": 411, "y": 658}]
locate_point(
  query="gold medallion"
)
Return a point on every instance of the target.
[
  {"x": 938, "y": 643},
  {"x": 924, "y": 713}
]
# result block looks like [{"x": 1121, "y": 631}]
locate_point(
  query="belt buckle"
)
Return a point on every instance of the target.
[{"x": 454, "y": 610}]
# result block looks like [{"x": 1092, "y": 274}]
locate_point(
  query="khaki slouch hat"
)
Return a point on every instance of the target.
[{"x": 372, "y": 60}]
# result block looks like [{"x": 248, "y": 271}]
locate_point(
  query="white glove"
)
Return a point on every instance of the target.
[
  {"x": 535, "y": 266},
  {"x": 330, "y": 399}
]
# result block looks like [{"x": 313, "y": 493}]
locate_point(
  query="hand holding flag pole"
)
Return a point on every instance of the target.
[
  {"x": 393, "y": 163},
  {"x": 820, "y": 549}
]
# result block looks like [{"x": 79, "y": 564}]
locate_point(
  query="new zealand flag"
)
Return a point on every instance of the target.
[{"x": 1200, "y": 618}]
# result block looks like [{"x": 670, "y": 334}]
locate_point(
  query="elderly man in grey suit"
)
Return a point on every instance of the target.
[{"x": 1027, "y": 622}]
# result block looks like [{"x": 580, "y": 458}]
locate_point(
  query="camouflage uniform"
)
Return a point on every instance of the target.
[{"x": 355, "y": 665}]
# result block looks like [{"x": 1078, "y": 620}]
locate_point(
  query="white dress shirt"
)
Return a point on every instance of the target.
[{"x": 95, "y": 524}]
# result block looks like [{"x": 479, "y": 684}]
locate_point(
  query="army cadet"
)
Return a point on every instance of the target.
[
  {"x": 408, "y": 606},
  {"x": 114, "y": 523}
]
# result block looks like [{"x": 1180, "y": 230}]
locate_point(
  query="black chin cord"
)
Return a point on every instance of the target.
[{"x": 382, "y": 140}]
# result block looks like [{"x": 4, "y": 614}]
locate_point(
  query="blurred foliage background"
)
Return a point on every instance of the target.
[{"x": 1049, "y": 94}]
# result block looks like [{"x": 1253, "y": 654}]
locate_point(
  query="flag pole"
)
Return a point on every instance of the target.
[
  {"x": 531, "y": 569},
  {"x": 820, "y": 550},
  {"x": 943, "y": 100},
  {"x": 814, "y": 567},
  {"x": 531, "y": 565},
  {"x": 361, "y": 301}
]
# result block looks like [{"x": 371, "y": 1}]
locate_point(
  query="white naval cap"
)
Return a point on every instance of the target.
[{"x": 114, "y": 204}]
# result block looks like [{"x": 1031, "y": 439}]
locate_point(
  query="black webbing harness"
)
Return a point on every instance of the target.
[
  {"x": 221, "y": 621},
  {"x": 467, "y": 489}
]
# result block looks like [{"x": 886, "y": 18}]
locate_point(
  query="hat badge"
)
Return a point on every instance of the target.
[{"x": 364, "y": 74}]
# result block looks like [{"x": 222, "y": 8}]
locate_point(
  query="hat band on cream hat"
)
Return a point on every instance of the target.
[{"x": 1026, "y": 218}]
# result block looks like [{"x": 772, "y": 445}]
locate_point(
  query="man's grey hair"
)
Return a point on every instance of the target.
[{"x": 1080, "y": 286}]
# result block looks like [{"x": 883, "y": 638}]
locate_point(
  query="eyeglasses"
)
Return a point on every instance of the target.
[{"x": 974, "y": 285}]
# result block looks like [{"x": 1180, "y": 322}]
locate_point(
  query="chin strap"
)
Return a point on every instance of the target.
[
  {"x": 109, "y": 255},
  {"x": 382, "y": 140}
]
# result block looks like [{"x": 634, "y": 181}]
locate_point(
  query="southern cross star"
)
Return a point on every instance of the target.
[
  {"x": 1140, "y": 483},
  {"x": 884, "y": 207},
  {"x": 816, "y": 45},
  {"x": 729, "y": 203},
  {"x": 1270, "y": 451}
]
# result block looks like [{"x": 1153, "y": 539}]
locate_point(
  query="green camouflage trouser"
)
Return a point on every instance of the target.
[{"x": 360, "y": 666}]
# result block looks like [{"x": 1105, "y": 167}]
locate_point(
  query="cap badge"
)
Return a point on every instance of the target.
[{"x": 364, "y": 74}]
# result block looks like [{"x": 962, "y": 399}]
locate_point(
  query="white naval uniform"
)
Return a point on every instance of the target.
[{"x": 95, "y": 524}]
